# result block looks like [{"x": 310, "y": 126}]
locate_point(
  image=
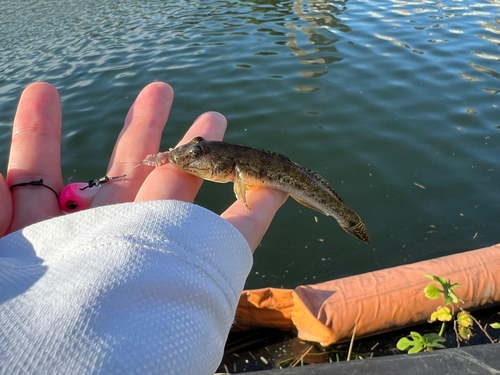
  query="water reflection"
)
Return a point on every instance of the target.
[
  {"x": 490, "y": 39},
  {"x": 482, "y": 69},
  {"x": 398, "y": 43},
  {"x": 324, "y": 21},
  {"x": 369, "y": 93},
  {"x": 446, "y": 36},
  {"x": 322, "y": 18}
]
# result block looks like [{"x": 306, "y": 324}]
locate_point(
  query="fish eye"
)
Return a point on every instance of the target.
[
  {"x": 197, "y": 140},
  {"x": 195, "y": 151}
]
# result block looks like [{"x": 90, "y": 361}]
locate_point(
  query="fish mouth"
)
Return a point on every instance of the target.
[
  {"x": 178, "y": 161},
  {"x": 172, "y": 158}
]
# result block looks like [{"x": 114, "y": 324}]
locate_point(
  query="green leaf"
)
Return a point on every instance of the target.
[
  {"x": 432, "y": 292},
  {"x": 495, "y": 325},
  {"x": 431, "y": 337},
  {"x": 433, "y": 340},
  {"x": 417, "y": 343},
  {"x": 448, "y": 290},
  {"x": 437, "y": 279},
  {"x": 449, "y": 295},
  {"x": 417, "y": 347},
  {"x": 404, "y": 343},
  {"x": 455, "y": 286},
  {"x": 416, "y": 336},
  {"x": 443, "y": 314}
]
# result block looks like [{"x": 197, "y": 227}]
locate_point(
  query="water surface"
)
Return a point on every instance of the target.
[{"x": 394, "y": 102}]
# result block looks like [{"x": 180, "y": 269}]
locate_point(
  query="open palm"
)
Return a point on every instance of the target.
[{"x": 35, "y": 154}]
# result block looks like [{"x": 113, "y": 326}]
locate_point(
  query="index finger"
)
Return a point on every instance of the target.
[{"x": 168, "y": 182}]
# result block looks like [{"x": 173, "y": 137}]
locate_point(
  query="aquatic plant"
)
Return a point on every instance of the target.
[
  {"x": 495, "y": 325},
  {"x": 463, "y": 322},
  {"x": 416, "y": 342},
  {"x": 431, "y": 291}
]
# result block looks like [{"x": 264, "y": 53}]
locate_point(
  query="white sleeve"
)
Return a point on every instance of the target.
[{"x": 147, "y": 287}]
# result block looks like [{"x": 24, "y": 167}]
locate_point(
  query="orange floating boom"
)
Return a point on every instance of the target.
[{"x": 377, "y": 301}]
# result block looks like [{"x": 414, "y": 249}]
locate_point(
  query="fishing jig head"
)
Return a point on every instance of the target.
[{"x": 79, "y": 195}]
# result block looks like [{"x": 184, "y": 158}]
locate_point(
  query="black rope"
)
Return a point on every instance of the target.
[{"x": 35, "y": 183}]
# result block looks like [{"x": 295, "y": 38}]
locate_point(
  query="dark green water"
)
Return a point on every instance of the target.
[{"x": 380, "y": 97}]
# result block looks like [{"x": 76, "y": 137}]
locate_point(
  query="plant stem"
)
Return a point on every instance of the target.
[
  {"x": 443, "y": 326},
  {"x": 352, "y": 342},
  {"x": 456, "y": 332},
  {"x": 301, "y": 358},
  {"x": 481, "y": 327}
]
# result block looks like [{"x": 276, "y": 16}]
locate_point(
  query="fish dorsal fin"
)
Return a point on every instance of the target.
[{"x": 323, "y": 182}]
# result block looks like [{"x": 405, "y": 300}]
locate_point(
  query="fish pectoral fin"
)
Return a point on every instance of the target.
[
  {"x": 240, "y": 187},
  {"x": 308, "y": 205}
]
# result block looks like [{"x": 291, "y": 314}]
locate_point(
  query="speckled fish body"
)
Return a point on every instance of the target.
[{"x": 248, "y": 166}]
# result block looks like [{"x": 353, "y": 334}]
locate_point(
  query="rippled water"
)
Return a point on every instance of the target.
[{"x": 395, "y": 102}]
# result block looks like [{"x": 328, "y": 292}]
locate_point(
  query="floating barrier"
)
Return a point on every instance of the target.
[{"x": 374, "y": 302}]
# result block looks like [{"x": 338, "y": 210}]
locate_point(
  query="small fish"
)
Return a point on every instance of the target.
[{"x": 247, "y": 166}]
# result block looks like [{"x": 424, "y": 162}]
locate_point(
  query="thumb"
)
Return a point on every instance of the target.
[{"x": 253, "y": 223}]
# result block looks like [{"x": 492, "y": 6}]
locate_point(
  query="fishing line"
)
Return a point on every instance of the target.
[{"x": 79, "y": 195}]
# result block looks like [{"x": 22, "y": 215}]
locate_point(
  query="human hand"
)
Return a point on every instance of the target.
[{"x": 35, "y": 154}]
